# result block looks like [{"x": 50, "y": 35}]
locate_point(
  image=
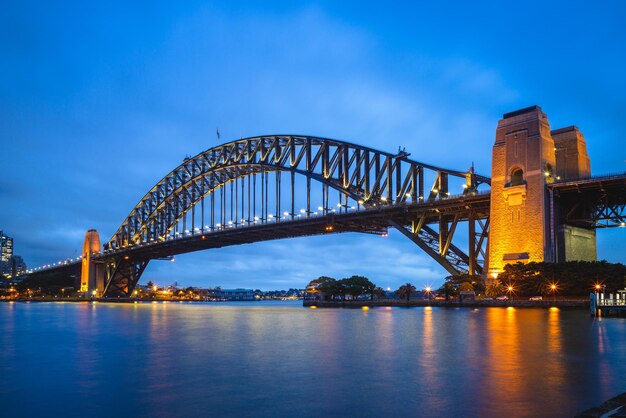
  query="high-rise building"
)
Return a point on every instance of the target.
[
  {"x": 6, "y": 247},
  {"x": 6, "y": 253}
]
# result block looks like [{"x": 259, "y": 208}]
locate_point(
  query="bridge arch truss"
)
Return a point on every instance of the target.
[{"x": 282, "y": 179}]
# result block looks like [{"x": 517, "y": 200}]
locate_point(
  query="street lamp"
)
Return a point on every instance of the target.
[
  {"x": 553, "y": 290},
  {"x": 428, "y": 290},
  {"x": 510, "y": 290}
]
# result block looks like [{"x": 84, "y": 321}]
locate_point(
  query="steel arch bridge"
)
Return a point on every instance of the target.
[{"x": 282, "y": 186}]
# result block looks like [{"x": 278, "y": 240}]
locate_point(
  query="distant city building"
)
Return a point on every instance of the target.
[
  {"x": 6, "y": 252},
  {"x": 234, "y": 294},
  {"x": 18, "y": 266},
  {"x": 6, "y": 247},
  {"x": 11, "y": 265}
]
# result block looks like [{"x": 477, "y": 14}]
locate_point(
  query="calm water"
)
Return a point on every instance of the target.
[{"x": 268, "y": 359}]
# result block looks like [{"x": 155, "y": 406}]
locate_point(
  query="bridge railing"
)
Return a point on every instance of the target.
[{"x": 609, "y": 176}]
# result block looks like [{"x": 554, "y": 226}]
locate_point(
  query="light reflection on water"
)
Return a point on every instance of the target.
[{"x": 279, "y": 359}]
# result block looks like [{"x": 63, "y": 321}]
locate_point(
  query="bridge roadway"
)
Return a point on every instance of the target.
[{"x": 374, "y": 220}]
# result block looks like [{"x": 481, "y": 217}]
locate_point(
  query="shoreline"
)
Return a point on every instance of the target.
[
  {"x": 130, "y": 300},
  {"x": 354, "y": 304},
  {"x": 572, "y": 303}
]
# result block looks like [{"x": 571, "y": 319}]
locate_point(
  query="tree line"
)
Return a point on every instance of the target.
[
  {"x": 353, "y": 288},
  {"x": 572, "y": 278}
]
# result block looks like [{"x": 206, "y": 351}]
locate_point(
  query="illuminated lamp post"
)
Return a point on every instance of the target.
[
  {"x": 553, "y": 290},
  {"x": 510, "y": 290}
]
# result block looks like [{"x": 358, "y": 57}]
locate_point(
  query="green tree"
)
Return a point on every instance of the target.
[
  {"x": 494, "y": 289},
  {"x": 379, "y": 292},
  {"x": 406, "y": 290},
  {"x": 448, "y": 289},
  {"x": 356, "y": 286},
  {"x": 466, "y": 287},
  {"x": 314, "y": 285},
  {"x": 572, "y": 278},
  {"x": 329, "y": 288}
]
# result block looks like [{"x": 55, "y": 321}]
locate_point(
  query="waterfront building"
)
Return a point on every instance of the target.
[{"x": 234, "y": 294}]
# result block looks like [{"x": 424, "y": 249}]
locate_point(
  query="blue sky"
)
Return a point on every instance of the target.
[{"x": 99, "y": 101}]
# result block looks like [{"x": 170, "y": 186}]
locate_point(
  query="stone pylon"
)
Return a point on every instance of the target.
[
  {"x": 92, "y": 274},
  {"x": 527, "y": 157}
]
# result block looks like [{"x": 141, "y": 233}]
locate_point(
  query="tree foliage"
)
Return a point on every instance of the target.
[
  {"x": 353, "y": 287},
  {"x": 573, "y": 278},
  {"x": 406, "y": 290},
  {"x": 462, "y": 283}
]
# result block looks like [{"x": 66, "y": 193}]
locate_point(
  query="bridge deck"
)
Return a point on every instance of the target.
[{"x": 370, "y": 220}]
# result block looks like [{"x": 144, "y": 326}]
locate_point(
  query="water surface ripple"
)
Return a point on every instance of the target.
[{"x": 278, "y": 359}]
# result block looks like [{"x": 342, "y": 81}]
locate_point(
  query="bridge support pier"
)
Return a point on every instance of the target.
[
  {"x": 527, "y": 158},
  {"x": 92, "y": 273},
  {"x": 122, "y": 276}
]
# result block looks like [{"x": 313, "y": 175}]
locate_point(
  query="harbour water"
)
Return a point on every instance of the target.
[{"x": 279, "y": 359}]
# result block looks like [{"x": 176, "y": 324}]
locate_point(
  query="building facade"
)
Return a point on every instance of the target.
[{"x": 6, "y": 254}]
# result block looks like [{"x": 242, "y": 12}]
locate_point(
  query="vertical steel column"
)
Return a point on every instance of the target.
[
  {"x": 293, "y": 197},
  {"x": 325, "y": 198},
  {"x": 212, "y": 210},
  {"x": 222, "y": 204},
  {"x": 184, "y": 215},
  {"x": 414, "y": 186},
  {"x": 389, "y": 168},
  {"x": 266, "y": 198},
  {"x": 421, "y": 182},
  {"x": 278, "y": 178},
  {"x": 367, "y": 192},
  {"x": 308, "y": 177},
  {"x": 193, "y": 214},
  {"x": 243, "y": 200},
  {"x": 254, "y": 195},
  {"x": 443, "y": 184},
  {"x": 308, "y": 196},
  {"x": 249, "y": 201},
  {"x": 397, "y": 169},
  {"x": 263, "y": 198},
  {"x": 203, "y": 191},
  {"x": 345, "y": 177},
  {"x": 236, "y": 199},
  {"x": 376, "y": 173},
  {"x": 472, "y": 242}
]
